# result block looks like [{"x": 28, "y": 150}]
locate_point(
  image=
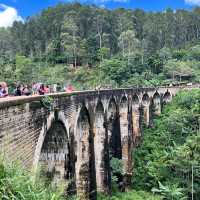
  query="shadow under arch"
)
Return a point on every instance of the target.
[
  {"x": 112, "y": 107},
  {"x": 52, "y": 149},
  {"x": 156, "y": 104},
  {"x": 145, "y": 99},
  {"x": 124, "y": 101},
  {"x": 114, "y": 134},
  {"x": 47, "y": 124},
  {"x": 135, "y": 100},
  {"x": 124, "y": 116},
  {"x": 55, "y": 154},
  {"x": 84, "y": 150},
  {"x": 167, "y": 97},
  {"x": 145, "y": 110},
  {"x": 156, "y": 96}
]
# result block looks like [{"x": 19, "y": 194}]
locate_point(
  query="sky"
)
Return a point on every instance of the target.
[{"x": 19, "y": 10}]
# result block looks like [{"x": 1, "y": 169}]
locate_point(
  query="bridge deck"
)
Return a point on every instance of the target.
[{"x": 12, "y": 100}]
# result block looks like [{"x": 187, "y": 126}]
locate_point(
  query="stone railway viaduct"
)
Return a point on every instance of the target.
[{"x": 75, "y": 138}]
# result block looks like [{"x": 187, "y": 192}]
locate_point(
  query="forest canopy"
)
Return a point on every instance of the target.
[{"x": 123, "y": 47}]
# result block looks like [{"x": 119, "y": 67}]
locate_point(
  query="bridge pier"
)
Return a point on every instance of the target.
[
  {"x": 146, "y": 114},
  {"x": 101, "y": 147},
  {"x": 126, "y": 143},
  {"x": 146, "y": 109},
  {"x": 136, "y": 122},
  {"x": 85, "y": 167}
]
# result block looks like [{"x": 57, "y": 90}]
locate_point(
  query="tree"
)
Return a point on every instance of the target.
[
  {"x": 128, "y": 43},
  {"x": 24, "y": 69},
  {"x": 179, "y": 69},
  {"x": 69, "y": 38}
]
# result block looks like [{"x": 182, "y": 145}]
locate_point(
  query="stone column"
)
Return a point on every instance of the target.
[
  {"x": 136, "y": 123},
  {"x": 101, "y": 153},
  {"x": 146, "y": 114},
  {"x": 126, "y": 145},
  {"x": 85, "y": 169}
]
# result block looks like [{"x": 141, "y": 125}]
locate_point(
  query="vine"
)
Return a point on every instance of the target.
[{"x": 47, "y": 102}]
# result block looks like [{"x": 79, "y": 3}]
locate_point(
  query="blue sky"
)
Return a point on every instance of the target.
[{"x": 19, "y": 9}]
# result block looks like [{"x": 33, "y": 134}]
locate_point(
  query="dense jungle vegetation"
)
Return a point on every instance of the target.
[
  {"x": 91, "y": 46},
  {"x": 169, "y": 151}
]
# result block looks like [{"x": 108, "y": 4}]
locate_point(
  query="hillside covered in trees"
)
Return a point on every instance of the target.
[{"x": 86, "y": 44}]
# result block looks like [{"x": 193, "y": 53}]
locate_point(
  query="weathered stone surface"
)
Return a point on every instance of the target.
[{"x": 101, "y": 150}]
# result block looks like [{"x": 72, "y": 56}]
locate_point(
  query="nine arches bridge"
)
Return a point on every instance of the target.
[{"x": 75, "y": 137}]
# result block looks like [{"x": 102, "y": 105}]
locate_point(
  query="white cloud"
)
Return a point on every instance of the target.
[
  {"x": 193, "y": 2},
  {"x": 8, "y": 15}
]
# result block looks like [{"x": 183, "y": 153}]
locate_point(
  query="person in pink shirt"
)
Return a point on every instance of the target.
[
  {"x": 46, "y": 89},
  {"x": 3, "y": 90},
  {"x": 69, "y": 88}
]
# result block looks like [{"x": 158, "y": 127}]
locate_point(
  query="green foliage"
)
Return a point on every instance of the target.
[
  {"x": 24, "y": 67},
  {"x": 16, "y": 183},
  {"x": 116, "y": 169},
  {"x": 47, "y": 102},
  {"x": 136, "y": 195},
  {"x": 171, "y": 192},
  {"x": 170, "y": 149}
]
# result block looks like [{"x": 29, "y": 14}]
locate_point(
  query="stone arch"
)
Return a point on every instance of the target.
[
  {"x": 47, "y": 124},
  {"x": 145, "y": 99},
  {"x": 84, "y": 166},
  {"x": 52, "y": 149},
  {"x": 91, "y": 112},
  {"x": 156, "y": 96},
  {"x": 101, "y": 150},
  {"x": 54, "y": 156},
  {"x": 135, "y": 100},
  {"x": 114, "y": 134},
  {"x": 167, "y": 97},
  {"x": 112, "y": 107},
  {"x": 124, "y": 102},
  {"x": 156, "y": 103},
  {"x": 99, "y": 108},
  {"x": 123, "y": 111},
  {"x": 146, "y": 110}
]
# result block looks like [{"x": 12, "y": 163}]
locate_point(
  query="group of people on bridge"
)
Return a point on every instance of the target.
[{"x": 26, "y": 90}]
